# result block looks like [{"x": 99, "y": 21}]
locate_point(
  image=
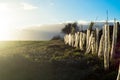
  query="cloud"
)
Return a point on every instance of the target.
[
  {"x": 27, "y": 6},
  {"x": 51, "y": 4},
  {"x": 83, "y": 22}
]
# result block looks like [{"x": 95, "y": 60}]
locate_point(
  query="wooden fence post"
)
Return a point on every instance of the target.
[
  {"x": 114, "y": 39},
  {"x": 81, "y": 42},
  {"x": 72, "y": 40},
  {"x": 76, "y": 39},
  {"x": 109, "y": 45},
  {"x": 118, "y": 76},
  {"x": 93, "y": 45},
  {"x": 106, "y": 51},
  {"x": 66, "y": 39},
  {"x": 100, "y": 51},
  {"x": 87, "y": 37},
  {"x": 89, "y": 46},
  {"x": 69, "y": 39},
  {"x": 84, "y": 40},
  {"x": 97, "y": 40}
]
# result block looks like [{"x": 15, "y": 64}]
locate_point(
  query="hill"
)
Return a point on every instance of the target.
[{"x": 49, "y": 60}]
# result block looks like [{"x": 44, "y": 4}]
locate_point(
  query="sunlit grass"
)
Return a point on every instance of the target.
[{"x": 48, "y": 60}]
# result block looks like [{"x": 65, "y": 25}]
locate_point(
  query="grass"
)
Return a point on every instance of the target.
[{"x": 49, "y": 60}]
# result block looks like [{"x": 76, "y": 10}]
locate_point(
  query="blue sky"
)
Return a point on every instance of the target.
[
  {"x": 17, "y": 14},
  {"x": 35, "y": 12},
  {"x": 52, "y": 11},
  {"x": 74, "y": 10}
]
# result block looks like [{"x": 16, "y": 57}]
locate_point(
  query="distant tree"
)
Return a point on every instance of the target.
[
  {"x": 70, "y": 28},
  {"x": 67, "y": 28},
  {"x": 56, "y": 37},
  {"x": 75, "y": 27},
  {"x": 91, "y": 26}
]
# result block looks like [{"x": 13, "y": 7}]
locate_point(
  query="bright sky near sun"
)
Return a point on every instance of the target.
[{"x": 23, "y": 13}]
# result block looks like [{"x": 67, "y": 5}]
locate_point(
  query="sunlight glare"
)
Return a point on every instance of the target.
[{"x": 6, "y": 20}]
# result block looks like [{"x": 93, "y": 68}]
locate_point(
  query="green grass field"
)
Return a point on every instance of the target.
[{"x": 49, "y": 60}]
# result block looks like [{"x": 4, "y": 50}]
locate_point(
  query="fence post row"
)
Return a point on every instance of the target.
[{"x": 92, "y": 42}]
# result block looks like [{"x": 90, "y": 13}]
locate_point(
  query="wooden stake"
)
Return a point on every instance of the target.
[
  {"x": 97, "y": 40},
  {"x": 87, "y": 37},
  {"x": 114, "y": 39},
  {"x": 106, "y": 52},
  {"x": 100, "y": 51},
  {"x": 118, "y": 76}
]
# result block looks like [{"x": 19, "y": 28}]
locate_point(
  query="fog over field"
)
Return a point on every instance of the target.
[{"x": 46, "y": 32}]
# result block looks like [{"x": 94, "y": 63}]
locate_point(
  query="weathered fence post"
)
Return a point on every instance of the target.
[
  {"x": 87, "y": 37},
  {"x": 93, "y": 45},
  {"x": 76, "y": 39},
  {"x": 97, "y": 40},
  {"x": 109, "y": 45},
  {"x": 69, "y": 39},
  {"x": 114, "y": 39},
  {"x": 89, "y": 46},
  {"x": 118, "y": 76},
  {"x": 81, "y": 42},
  {"x": 73, "y": 40},
  {"x": 84, "y": 40},
  {"x": 106, "y": 51},
  {"x": 100, "y": 51},
  {"x": 66, "y": 39}
]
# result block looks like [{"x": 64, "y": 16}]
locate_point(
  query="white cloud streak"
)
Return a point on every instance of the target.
[{"x": 27, "y": 6}]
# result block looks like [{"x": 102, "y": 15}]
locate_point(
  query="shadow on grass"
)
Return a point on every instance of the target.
[{"x": 51, "y": 60}]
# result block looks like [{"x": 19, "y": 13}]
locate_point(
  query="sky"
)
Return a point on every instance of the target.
[{"x": 19, "y": 14}]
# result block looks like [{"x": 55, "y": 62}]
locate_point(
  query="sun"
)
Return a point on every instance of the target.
[{"x": 6, "y": 19}]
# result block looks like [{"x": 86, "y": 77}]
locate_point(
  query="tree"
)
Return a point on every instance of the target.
[
  {"x": 91, "y": 26},
  {"x": 56, "y": 37},
  {"x": 70, "y": 28}
]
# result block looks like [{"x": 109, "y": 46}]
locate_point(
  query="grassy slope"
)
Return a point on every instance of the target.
[{"x": 49, "y": 60}]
